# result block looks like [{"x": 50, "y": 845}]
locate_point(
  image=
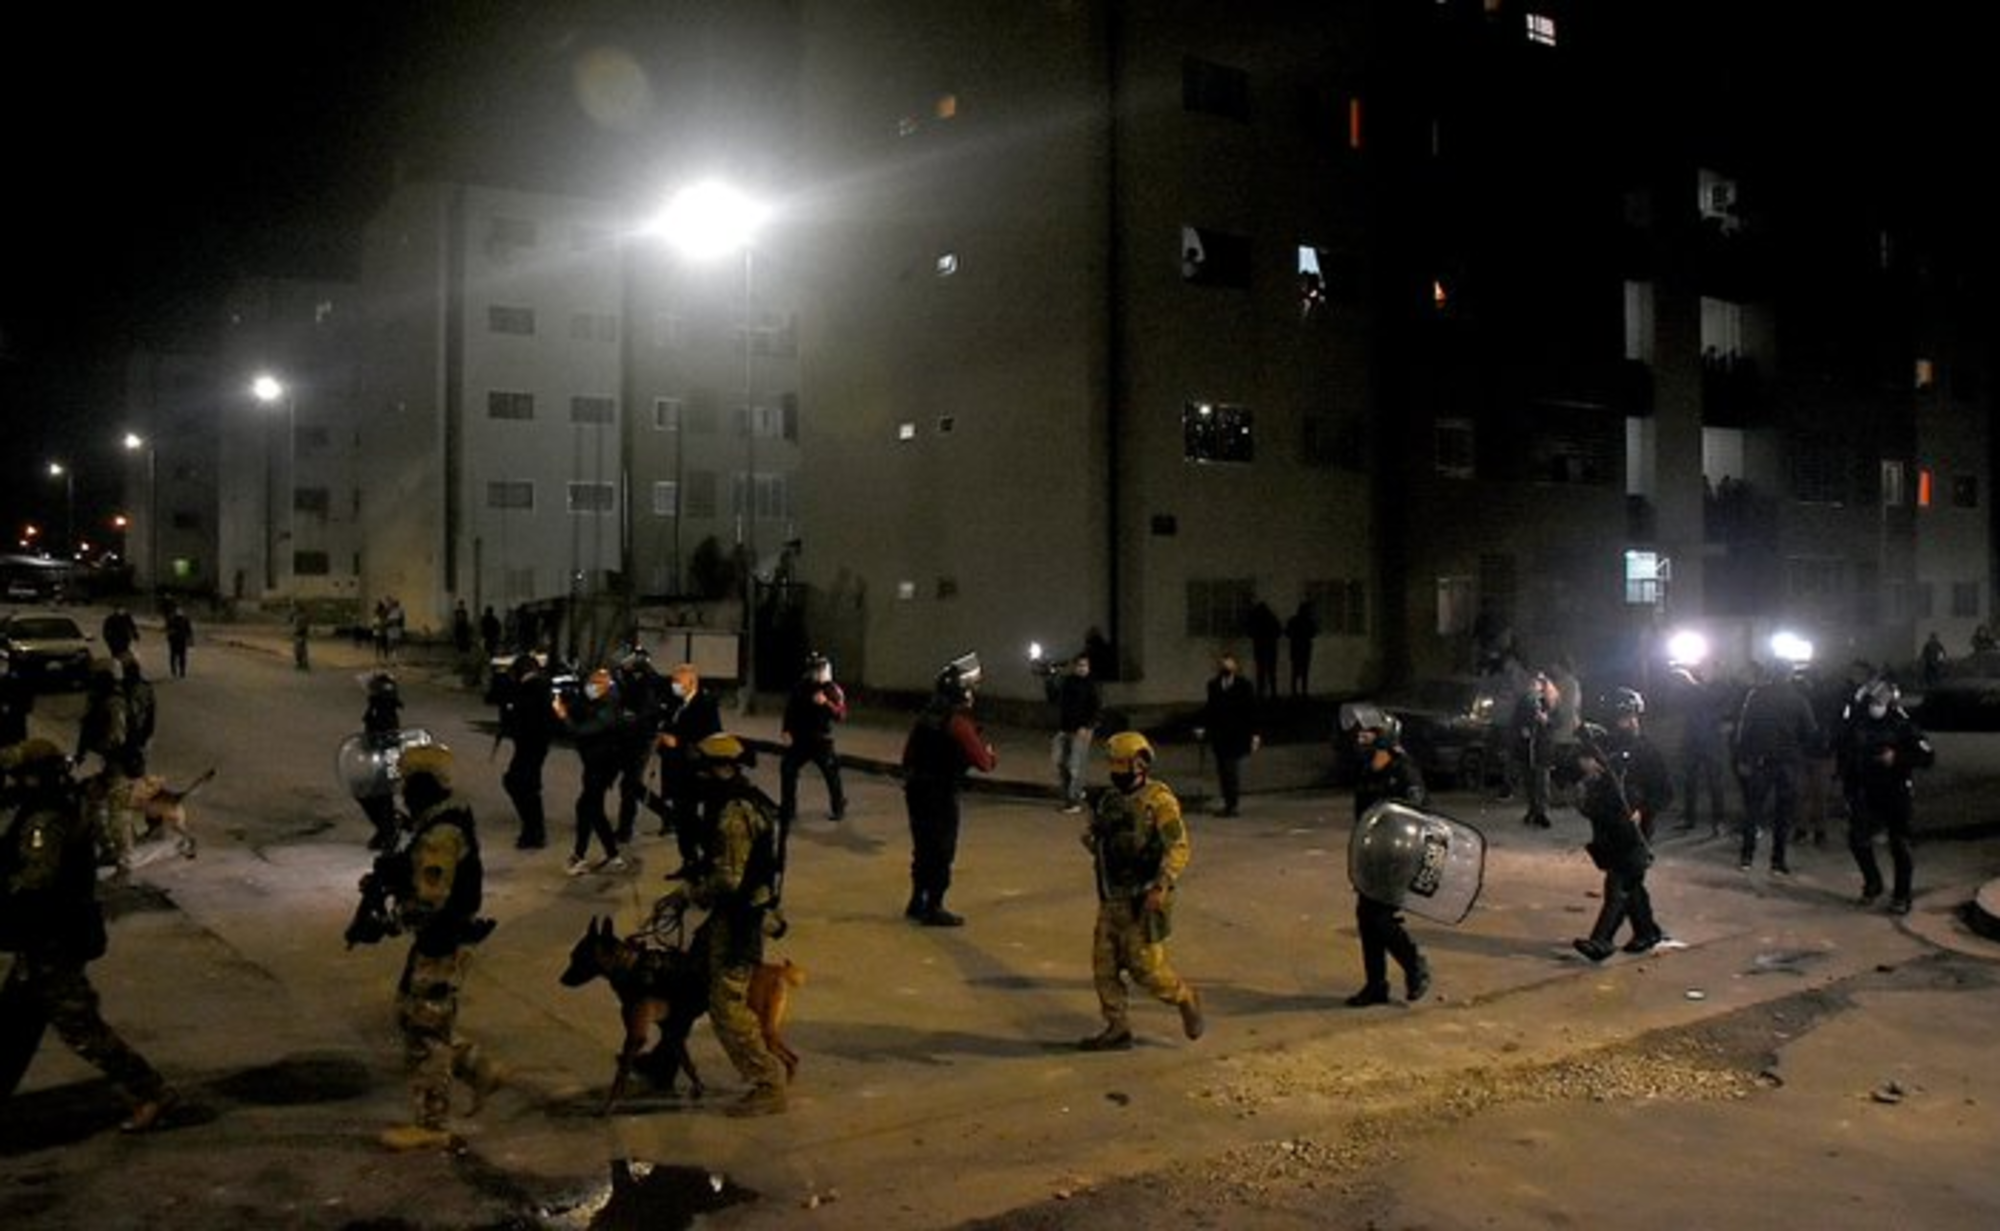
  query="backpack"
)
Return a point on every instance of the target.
[{"x": 141, "y": 712}]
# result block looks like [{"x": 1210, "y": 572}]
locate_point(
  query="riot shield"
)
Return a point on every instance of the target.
[
  {"x": 369, "y": 763},
  {"x": 1422, "y": 862}
]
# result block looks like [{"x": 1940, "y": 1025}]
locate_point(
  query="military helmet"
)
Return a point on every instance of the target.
[
  {"x": 431, "y": 760},
  {"x": 381, "y": 684},
  {"x": 33, "y": 755},
  {"x": 1127, "y": 747}
]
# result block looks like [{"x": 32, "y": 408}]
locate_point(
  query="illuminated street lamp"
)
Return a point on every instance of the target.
[
  {"x": 708, "y": 221},
  {"x": 59, "y": 471},
  {"x": 133, "y": 443},
  {"x": 270, "y": 391}
]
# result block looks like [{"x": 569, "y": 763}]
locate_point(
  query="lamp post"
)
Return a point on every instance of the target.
[
  {"x": 59, "y": 471},
  {"x": 133, "y": 443},
  {"x": 270, "y": 391},
  {"x": 707, "y": 221}
]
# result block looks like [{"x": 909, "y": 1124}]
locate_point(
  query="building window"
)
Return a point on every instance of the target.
[
  {"x": 510, "y": 494},
  {"x": 1645, "y": 579},
  {"x": 1454, "y": 606},
  {"x": 316, "y": 500},
  {"x": 1215, "y": 432},
  {"x": 1354, "y": 123},
  {"x": 1214, "y": 258},
  {"x": 1541, "y": 29},
  {"x": 602, "y": 411},
  {"x": 1214, "y": 89},
  {"x": 1312, "y": 284},
  {"x": 1926, "y": 376},
  {"x": 1923, "y": 603},
  {"x": 907, "y": 126},
  {"x": 311, "y": 564},
  {"x": 698, "y": 501},
  {"x": 501, "y": 318},
  {"x": 505, "y": 236},
  {"x": 1219, "y": 610},
  {"x": 666, "y": 414},
  {"x": 669, "y": 330},
  {"x": 947, "y": 264},
  {"x": 1816, "y": 581},
  {"x": 1454, "y": 441},
  {"x": 769, "y": 422},
  {"x": 593, "y": 327},
  {"x": 593, "y": 498},
  {"x": 666, "y": 499},
  {"x": 1820, "y": 473},
  {"x": 774, "y": 496},
  {"x": 906, "y": 432},
  {"x": 1717, "y": 201},
  {"x": 1341, "y": 606},
  {"x": 503, "y": 404},
  {"x": 1639, "y": 321},
  {"x": 1893, "y": 495},
  {"x": 1965, "y": 600},
  {"x": 946, "y": 107},
  {"x": 1965, "y": 491}
]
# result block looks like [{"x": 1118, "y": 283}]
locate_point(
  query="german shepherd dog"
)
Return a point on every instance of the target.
[{"x": 667, "y": 989}]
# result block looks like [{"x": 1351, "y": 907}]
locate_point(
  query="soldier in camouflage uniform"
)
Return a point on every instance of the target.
[
  {"x": 1140, "y": 845},
  {"x": 737, "y": 883},
  {"x": 50, "y": 919},
  {"x": 433, "y": 888}
]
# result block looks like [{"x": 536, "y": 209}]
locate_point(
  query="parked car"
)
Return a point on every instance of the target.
[
  {"x": 1453, "y": 726},
  {"x": 45, "y": 647},
  {"x": 1966, "y": 698}
]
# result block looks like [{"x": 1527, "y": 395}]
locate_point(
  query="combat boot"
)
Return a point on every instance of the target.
[
  {"x": 408, "y": 1137},
  {"x": 1418, "y": 981},
  {"x": 1372, "y": 994},
  {"x": 761, "y": 1100},
  {"x": 482, "y": 1077},
  {"x": 147, "y": 1113},
  {"x": 1192, "y": 1023},
  {"x": 1111, "y": 1038}
]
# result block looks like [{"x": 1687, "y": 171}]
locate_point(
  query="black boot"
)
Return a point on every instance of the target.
[{"x": 920, "y": 905}]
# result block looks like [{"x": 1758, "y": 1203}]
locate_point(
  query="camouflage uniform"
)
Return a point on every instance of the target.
[
  {"x": 1141, "y": 845},
  {"x": 438, "y": 903},
  {"x": 738, "y": 887},
  {"x": 56, "y": 929}
]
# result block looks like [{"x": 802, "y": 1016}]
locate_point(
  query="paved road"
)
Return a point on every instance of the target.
[{"x": 939, "y": 1084}]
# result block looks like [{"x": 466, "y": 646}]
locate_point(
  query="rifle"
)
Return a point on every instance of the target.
[{"x": 374, "y": 918}]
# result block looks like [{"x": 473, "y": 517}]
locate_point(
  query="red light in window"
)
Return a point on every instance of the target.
[
  {"x": 1923, "y": 489},
  {"x": 1353, "y": 123}
]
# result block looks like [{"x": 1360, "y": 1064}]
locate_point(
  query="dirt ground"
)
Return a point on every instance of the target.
[{"x": 1867, "y": 1104}]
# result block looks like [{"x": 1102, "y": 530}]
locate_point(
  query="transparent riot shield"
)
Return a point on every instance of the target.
[
  {"x": 369, "y": 763},
  {"x": 1423, "y": 862}
]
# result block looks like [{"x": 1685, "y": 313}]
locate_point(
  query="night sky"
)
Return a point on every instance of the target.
[{"x": 158, "y": 152}]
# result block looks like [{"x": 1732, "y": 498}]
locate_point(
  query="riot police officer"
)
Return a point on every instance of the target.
[
  {"x": 1619, "y": 849},
  {"x": 1386, "y": 772},
  {"x": 1881, "y": 747},
  {"x": 1649, "y": 783}
]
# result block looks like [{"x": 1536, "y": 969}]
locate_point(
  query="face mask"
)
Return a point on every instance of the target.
[
  {"x": 1125, "y": 782},
  {"x": 1878, "y": 711},
  {"x": 593, "y": 691},
  {"x": 680, "y": 689}
]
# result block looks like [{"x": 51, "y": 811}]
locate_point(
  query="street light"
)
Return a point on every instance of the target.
[
  {"x": 133, "y": 443},
  {"x": 706, "y": 221},
  {"x": 270, "y": 391},
  {"x": 59, "y": 471}
]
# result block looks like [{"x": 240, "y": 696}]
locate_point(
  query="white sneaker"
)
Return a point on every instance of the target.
[
  {"x": 577, "y": 866},
  {"x": 614, "y": 863}
]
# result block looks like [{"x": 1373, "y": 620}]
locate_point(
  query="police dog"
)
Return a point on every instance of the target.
[
  {"x": 146, "y": 819},
  {"x": 667, "y": 989}
]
